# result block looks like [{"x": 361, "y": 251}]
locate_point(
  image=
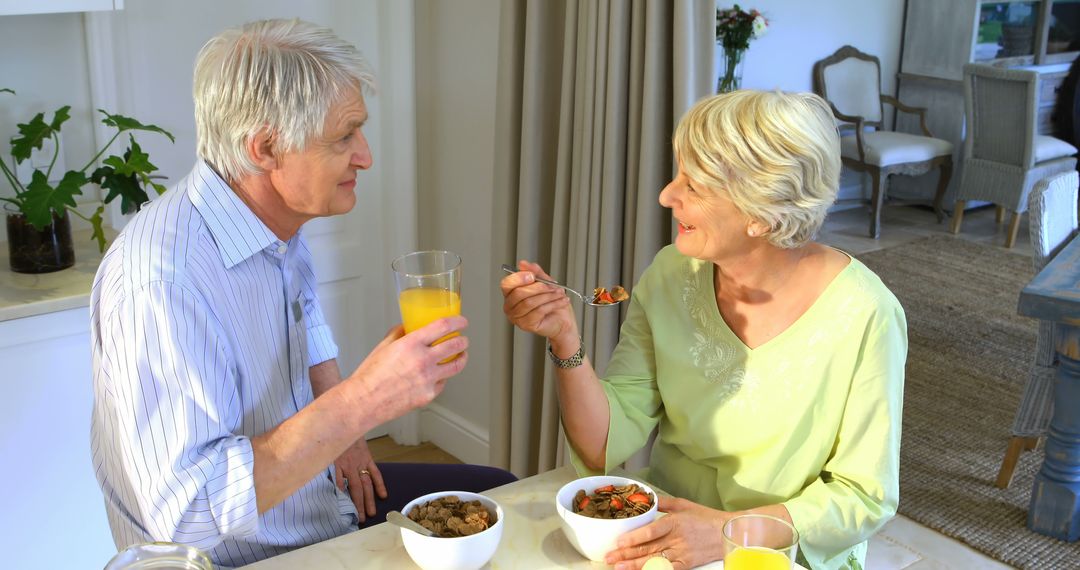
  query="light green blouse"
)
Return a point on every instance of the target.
[{"x": 810, "y": 419}]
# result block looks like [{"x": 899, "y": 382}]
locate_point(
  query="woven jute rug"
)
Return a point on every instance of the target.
[{"x": 968, "y": 360}]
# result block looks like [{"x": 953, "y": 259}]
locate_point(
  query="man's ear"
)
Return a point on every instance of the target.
[{"x": 260, "y": 148}]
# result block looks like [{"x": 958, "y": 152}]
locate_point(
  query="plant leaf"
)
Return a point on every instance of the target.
[
  {"x": 41, "y": 199},
  {"x": 123, "y": 123},
  {"x": 135, "y": 161},
  {"x": 60, "y": 117},
  {"x": 121, "y": 177},
  {"x": 99, "y": 232},
  {"x": 126, "y": 186},
  {"x": 6, "y": 90},
  {"x": 34, "y": 133}
]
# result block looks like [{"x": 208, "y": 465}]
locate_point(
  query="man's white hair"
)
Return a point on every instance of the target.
[{"x": 279, "y": 75}]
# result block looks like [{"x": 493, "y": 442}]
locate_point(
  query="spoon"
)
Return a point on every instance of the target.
[
  {"x": 396, "y": 518},
  {"x": 587, "y": 299}
]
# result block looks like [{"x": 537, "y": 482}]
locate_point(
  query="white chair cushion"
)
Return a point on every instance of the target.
[
  {"x": 1049, "y": 148},
  {"x": 886, "y": 148}
]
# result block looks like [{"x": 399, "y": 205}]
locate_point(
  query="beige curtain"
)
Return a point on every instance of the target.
[{"x": 589, "y": 94}]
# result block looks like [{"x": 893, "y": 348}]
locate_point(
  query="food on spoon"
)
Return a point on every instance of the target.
[
  {"x": 612, "y": 502},
  {"x": 602, "y": 296}
]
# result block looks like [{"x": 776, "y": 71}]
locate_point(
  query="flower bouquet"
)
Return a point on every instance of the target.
[{"x": 735, "y": 28}]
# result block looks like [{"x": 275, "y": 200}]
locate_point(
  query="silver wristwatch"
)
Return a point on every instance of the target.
[{"x": 574, "y": 361}]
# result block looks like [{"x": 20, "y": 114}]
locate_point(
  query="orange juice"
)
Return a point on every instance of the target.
[
  {"x": 756, "y": 558},
  {"x": 423, "y": 305}
]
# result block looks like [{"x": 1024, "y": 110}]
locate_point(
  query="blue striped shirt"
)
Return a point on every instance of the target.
[{"x": 203, "y": 326}]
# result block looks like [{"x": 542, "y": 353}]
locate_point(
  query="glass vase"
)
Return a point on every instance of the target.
[
  {"x": 31, "y": 250},
  {"x": 731, "y": 66}
]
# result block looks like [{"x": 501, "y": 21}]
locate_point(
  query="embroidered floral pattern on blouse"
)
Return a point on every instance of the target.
[
  {"x": 717, "y": 359},
  {"x": 708, "y": 352}
]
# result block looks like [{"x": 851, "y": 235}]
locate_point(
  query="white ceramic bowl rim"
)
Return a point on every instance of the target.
[
  {"x": 578, "y": 482},
  {"x": 499, "y": 514}
]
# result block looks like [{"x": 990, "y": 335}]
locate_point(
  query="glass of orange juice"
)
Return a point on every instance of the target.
[
  {"x": 759, "y": 542},
  {"x": 429, "y": 288}
]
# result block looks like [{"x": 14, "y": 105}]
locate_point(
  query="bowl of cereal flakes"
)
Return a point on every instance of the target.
[
  {"x": 595, "y": 511},
  {"x": 467, "y": 527}
]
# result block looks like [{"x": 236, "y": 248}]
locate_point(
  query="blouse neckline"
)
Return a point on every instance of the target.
[{"x": 805, "y": 316}]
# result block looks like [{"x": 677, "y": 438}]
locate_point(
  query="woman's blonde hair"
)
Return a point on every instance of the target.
[
  {"x": 776, "y": 156},
  {"x": 278, "y": 75}
]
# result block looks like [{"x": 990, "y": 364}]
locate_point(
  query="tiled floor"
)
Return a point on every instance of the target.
[{"x": 903, "y": 543}]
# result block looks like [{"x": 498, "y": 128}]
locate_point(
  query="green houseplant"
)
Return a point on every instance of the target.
[{"x": 39, "y": 231}]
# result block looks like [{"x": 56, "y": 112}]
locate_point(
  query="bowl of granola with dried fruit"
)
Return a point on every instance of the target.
[
  {"x": 467, "y": 527},
  {"x": 595, "y": 511}
]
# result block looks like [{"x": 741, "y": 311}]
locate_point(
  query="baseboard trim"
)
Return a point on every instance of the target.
[{"x": 454, "y": 434}]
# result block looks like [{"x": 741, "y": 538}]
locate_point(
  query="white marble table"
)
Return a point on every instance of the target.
[{"x": 532, "y": 537}]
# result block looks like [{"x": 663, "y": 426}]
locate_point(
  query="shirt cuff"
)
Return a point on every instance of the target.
[
  {"x": 231, "y": 490},
  {"x": 321, "y": 346}
]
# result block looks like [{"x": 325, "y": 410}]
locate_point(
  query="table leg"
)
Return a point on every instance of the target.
[{"x": 1055, "y": 496}]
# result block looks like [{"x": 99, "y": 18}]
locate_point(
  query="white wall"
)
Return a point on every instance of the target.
[
  {"x": 457, "y": 49},
  {"x": 44, "y": 62},
  {"x": 801, "y": 33}
]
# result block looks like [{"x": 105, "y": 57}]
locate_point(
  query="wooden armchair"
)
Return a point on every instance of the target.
[{"x": 850, "y": 81}]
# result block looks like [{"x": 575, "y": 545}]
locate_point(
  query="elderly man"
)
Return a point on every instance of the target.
[{"x": 220, "y": 416}]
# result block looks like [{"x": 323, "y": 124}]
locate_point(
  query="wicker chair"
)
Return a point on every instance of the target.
[
  {"x": 1003, "y": 154},
  {"x": 1053, "y": 223},
  {"x": 850, "y": 81}
]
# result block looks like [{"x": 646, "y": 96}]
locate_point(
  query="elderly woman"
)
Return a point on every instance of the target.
[{"x": 773, "y": 366}]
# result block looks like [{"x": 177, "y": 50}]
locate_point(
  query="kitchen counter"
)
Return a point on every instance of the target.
[{"x": 23, "y": 295}]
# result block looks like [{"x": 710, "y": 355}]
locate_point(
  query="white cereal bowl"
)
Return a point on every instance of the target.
[
  {"x": 594, "y": 538},
  {"x": 461, "y": 553}
]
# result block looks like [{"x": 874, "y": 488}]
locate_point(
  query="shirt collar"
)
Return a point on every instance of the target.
[{"x": 238, "y": 232}]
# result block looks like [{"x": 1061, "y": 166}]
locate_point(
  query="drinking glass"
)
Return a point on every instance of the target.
[
  {"x": 759, "y": 542},
  {"x": 429, "y": 288},
  {"x": 160, "y": 556}
]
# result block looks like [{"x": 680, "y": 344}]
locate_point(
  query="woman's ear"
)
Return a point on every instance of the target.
[
  {"x": 755, "y": 228},
  {"x": 260, "y": 148}
]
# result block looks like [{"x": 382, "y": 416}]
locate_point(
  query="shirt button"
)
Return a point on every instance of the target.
[{"x": 282, "y": 249}]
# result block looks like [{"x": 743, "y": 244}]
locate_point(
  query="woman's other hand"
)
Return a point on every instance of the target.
[
  {"x": 689, "y": 536},
  {"x": 537, "y": 307}
]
